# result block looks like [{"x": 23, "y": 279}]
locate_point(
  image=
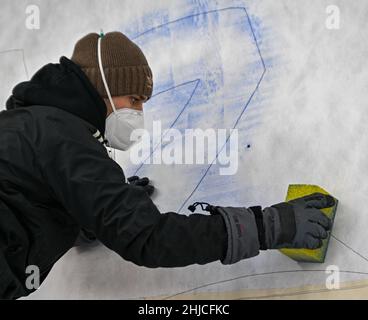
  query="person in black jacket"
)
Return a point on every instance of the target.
[{"x": 57, "y": 178}]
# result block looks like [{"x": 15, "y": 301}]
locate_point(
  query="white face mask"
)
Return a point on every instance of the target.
[
  {"x": 119, "y": 126},
  {"x": 121, "y": 122}
]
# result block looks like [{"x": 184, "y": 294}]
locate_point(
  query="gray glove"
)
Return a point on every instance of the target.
[
  {"x": 297, "y": 223},
  {"x": 294, "y": 224}
]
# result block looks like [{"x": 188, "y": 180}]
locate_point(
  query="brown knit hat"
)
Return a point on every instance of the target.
[{"x": 126, "y": 69}]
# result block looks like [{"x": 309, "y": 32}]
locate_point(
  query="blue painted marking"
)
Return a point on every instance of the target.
[{"x": 193, "y": 20}]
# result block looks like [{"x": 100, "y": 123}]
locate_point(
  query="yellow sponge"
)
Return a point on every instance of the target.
[{"x": 309, "y": 255}]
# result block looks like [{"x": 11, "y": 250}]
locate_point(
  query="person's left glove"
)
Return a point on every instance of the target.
[
  {"x": 85, "y": 238},
  {"x": 142, "y": 182}
]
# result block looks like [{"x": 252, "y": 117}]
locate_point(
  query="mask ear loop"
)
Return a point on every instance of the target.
[
  {"x": 104, "y": 81},
  {"x": 102, "y": 72}
]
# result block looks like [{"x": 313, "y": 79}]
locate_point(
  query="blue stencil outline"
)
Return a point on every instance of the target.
[
  {"x": 176, "y": 119},
  {"x": 186, "y": 104}
]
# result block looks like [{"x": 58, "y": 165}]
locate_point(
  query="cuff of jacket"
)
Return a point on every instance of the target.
[{"x": 242, "y": 233}]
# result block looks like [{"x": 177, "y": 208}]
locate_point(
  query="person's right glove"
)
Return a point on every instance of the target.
[{"x": 294, "y": 224}]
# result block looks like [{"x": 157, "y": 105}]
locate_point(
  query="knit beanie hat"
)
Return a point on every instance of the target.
[{"x": 126, "y": 69}]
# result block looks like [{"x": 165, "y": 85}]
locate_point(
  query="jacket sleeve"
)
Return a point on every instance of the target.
[{"x": 92, "y": 189}]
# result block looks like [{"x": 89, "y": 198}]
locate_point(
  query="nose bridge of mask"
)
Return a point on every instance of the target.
[
  {"x": 102, "y": 71},
  {"x": 127, "y": 116},
  {"x": 132, "y": 118}
]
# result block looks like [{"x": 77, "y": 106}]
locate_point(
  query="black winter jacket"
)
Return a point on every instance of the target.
[{"x": 56, "y": 178}]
